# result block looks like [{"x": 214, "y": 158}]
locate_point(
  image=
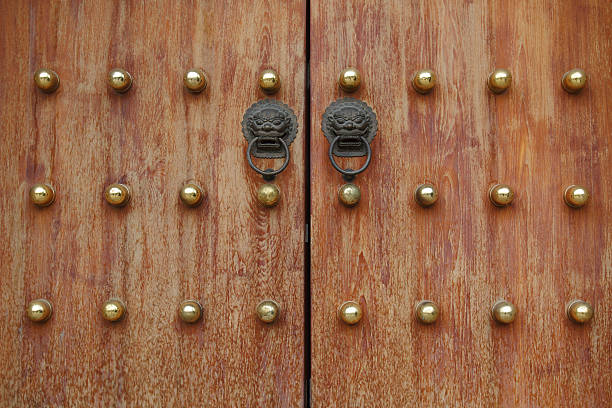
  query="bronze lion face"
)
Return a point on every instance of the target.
[
  {"x": 349, "y": 119},
  {"x": 269, "y": 123},
  {"x": 269, "y": 120}
]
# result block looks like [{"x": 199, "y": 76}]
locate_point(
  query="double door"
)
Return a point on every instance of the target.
[{"x": 309, "y": 253}]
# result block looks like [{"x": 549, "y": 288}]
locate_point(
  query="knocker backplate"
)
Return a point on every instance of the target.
[
  {"x": 268, "y": 120},
  {"x": 350, "y": 120}
]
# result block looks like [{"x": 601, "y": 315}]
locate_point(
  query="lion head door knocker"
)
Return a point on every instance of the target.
[
  {"x": 269, "y": 126},
  {"x": 350, "y": 126}
]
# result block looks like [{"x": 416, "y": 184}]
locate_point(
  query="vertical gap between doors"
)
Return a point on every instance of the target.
[{"x": 307, "y": 236}]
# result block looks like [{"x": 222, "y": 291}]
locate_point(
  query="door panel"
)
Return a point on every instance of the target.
[
  {"x": 229, "y": 253},
  {"x": 388, "y": 252}
]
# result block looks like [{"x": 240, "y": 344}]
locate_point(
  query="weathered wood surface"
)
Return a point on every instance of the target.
[
  {"x": 388, "y": 253},
  {"x": 229, "y": 253}
]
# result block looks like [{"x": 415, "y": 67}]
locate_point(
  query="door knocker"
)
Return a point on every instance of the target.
[
  {"x": 269, "y": 126},
  {"x": 349, "y": 126}
]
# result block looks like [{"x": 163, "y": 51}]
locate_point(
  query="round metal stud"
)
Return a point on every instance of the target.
[
  {"x": 349, "y": 80},
  {"x": 195, "y": 80},
  {"x": 499, "y": 81},
  {"x": 349, "y": 194},
  {"x": 113, "y": 310},
  {"x": 190, "y": 311},
  {"x": 574, "y": 80},
  {"x": 39, "y": 310},
  {"x": 191, "y": 195},
  {"x": 579, "y": 311},
  {"x": 503, "y": 312},
  {"x": 267, "y": 311},
  {"x": 424, "y": 81},
  {"x": 119, "y": 80},
  {"x": 350, "y": 312},
  {"x": 269, "y": 81},
  {"x": 427, "y": 312},
  {"x": 426, "y": 195},
  {"x": 42, "y": 195},
  {"x": 576, "y": 196},
  {"x": 268, "y": 195},
  {"x": 117, "y": 194},
  {"x": 501, "y": 195},
  {"x": 46, "y": 80}
]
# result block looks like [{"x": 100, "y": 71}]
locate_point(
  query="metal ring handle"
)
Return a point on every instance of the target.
[
  {"x": 350, "y": 173},
  {"x": 268, "y": 173}
]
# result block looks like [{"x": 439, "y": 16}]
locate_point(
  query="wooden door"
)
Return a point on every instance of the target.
[
  {"x": 388, "y": 253},
  {"x": 229, "y": 253}
]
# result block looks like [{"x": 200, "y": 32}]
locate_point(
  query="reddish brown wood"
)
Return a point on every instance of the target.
[
  {"x": 463, "y": 253},
  {"x": 229, "y": 253}
]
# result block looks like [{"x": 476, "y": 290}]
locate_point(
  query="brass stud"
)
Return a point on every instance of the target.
[
  {"x": 499, "y": 81},
  {"x": 113, "y": 310},
  {"x": 190, "y": 311},
  {"x": 119, "y": 80},
  {"x": 503, "y": 312},
  {"x": 349, "y": 194},
  {"x": 576, "y": 196},
  {"x": 424, "y": 81},
  {"x": 39, "y": 310},
  {"x": 46, "y": 80},
  {"x": 268, "y": 195},
  {"x": 350, "y": 312},
  {"x": 426, "y": 195},
  {"x": 267, "y": 311},
  {"x": 349, "y": 80},
  {"x": 574, "y": 80},
  {"x": 191, "y": 195},
  {"x": 501, "y": 195},
  {"x": 427, "y": 312},
  {"x": 195, "y": 80},
  {"x": 42, "y": 195},
  {"x": 269, "y": 81},
  {"x": 579, "y": 311},
  {"x": 117, "y": 194}
]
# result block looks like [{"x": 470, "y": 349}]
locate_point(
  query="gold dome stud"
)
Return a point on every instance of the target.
[
  {"x": 499, "y": 81},
  {"x": 117, "y": 194},
  {"x": 427, "y": 312},
  {"x": 349, "y": 80},
  {"x": 576, "y": 196},
  {"x": 46, "y": 80},
  {"x": 574, "y": 80},
  {"x": 501, "y": 195},
  {"x": 350, "y": 312},
  {"x": 191, "y": 195},
  {"x": 349, "y": 194},
  {"x": 268, "y": 195},
  {"x": 267, "y": 311},
  {"x": 195, "y": 80},
  {"x": 503, "y": 312},
  {"x": 424, "y": 81},
  {"x": 579, "y": 311},
  {"x": 42, "y": 195},
  {"x": 426, "y": 195},
  {"x": 269, "y": 81},
  {"x": 119, "y": 80},
  {"x": 190, "y": 311},
  {"x": 39, "y": 310},
  {"x": 113, "y": 310}
]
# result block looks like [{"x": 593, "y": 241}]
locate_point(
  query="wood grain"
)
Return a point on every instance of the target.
[
  {"x": 229, "y": 253},
  {"x": 463, "y": 253}
]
